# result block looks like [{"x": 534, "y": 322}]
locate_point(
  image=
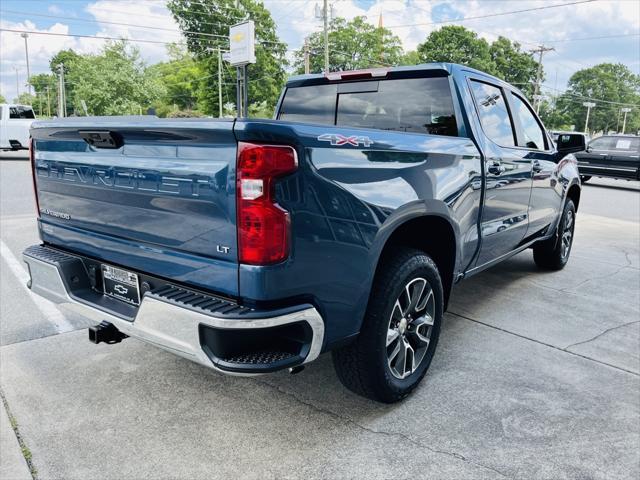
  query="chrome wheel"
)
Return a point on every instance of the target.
[
  {"x": 410, "y": 327},
  {"x": 567, "y": 234}
]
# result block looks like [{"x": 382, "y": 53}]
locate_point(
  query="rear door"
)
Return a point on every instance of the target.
[
  {"x": 507, "y": 174},
  {"x": 625, "y": 157}
]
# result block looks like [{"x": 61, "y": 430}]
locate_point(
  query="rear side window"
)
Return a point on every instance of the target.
[
  {"x": 419, "y": 105},
  {"x": 627, "y": 144},
  {"x": 493, "y": 112},
  {"x": 312, "y": 104},
  {"x": 533, "y": 134},
  {"x": 21, "y": 112}
]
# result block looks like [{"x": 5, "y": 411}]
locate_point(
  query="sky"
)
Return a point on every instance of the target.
[{"x": 583, "y": 34}]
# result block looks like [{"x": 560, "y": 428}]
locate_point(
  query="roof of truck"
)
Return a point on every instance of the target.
[{"x": 380, "y": 72}]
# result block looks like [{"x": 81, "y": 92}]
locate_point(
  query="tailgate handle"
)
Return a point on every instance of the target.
[{"x": 102, "y": 138}]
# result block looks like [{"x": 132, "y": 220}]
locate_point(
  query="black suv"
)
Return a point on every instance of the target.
[{"x": 614, "y": 156}]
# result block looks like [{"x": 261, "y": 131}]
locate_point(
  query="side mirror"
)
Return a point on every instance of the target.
[
  {"x": 589, "y": 149},
  {"x": 570, "y": 143}
]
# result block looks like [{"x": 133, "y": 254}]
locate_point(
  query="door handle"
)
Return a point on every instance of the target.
[
  {"x": 495, "y": 168},
  {"x": 537, "y": 167}
]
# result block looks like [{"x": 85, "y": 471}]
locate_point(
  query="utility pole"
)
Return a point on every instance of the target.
[
  {"x": 62, "y": 100},
  {"x": 324, "y": 14},
  {"x": 307, "y": 67},
  {"x": 536, "y": 96},
  {"x": 48, "y": 103},
  {"x": 589, "y": 106},
  {"x": 26, "y": 52},
  {"x": 219, "y": 83},
  {"x": 624, "y": 121}
]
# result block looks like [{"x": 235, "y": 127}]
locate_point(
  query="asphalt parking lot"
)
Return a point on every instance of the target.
[{"x": 537, "y": 375}]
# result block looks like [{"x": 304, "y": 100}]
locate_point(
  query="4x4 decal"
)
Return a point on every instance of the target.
[{"x": 340, "y": 140}]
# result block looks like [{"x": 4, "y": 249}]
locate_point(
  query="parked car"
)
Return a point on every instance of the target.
[
  {"x": 341, "y": 225},
  {"x": 613, "y": 156},
  {"x": 15, "y": 121}
]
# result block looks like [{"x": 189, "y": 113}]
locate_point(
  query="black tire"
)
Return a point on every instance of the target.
[
  {"x": 585, "y": 178},
  {"x": 553, "y": 254},
  {"x": 364, "y": 366}
]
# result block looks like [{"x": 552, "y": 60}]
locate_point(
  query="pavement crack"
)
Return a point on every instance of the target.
[
  {"x": 359, "y": 426},
  {"x": 560, "y": 349},
  {"x": 601, "y": 334},
  {"x": 26, "y": 453},
  {"x": 599, "y": 277}
]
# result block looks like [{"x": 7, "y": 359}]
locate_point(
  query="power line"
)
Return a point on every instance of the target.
[
  {"x": 590, "y": 98},
  {"x": 87, "y": 20},
  {"x": 592, "y": 38},
  {"x": 455, "y": 20},
  {"x": 77, "y": 35}
]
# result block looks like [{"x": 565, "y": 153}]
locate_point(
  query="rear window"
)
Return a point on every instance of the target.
[
  {"x": 21, "y": 112},
  {"x": 419, "y": 105}
]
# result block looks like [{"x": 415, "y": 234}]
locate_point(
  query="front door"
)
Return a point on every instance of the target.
[
  {"x": 507, "y": 175},
  {"x": 546, "y": 190}
]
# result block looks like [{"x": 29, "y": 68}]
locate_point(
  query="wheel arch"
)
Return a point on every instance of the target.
[
  {"x": 574, "y": 194},
  {"x": 431, "y": 233}
]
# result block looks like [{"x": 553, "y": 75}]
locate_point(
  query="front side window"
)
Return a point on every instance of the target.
[
  {"x": 419, "y": 105},
  {"x": 533, "y": 134},
  {"x": 493, "y": 112},
  {"x": 602, "y": 143}
]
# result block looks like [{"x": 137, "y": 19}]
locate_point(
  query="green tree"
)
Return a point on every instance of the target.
[
  {"x": 554, "y": 118},
  {"x": 2, "y": 99},
  {"x": 502, "y": 58},
  {"x": 205, "y": 24},
  {"x": 113, "y": 82},
  {"x": 513, "y": 65},
  {"x": 456, "y": 44},
  {"x": 353, "y": 45},
  {"x": 182, "y": 79},
  {"x": 602, "y": 84},
  {"x": 411, "y": 58},
  {"x": 45, "y": 87}
]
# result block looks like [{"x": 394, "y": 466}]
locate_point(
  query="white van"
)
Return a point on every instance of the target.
[{"x": 15, "y": 121}]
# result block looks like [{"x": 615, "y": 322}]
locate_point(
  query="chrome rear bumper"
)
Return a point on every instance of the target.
[{"x": 176, "y": 327}]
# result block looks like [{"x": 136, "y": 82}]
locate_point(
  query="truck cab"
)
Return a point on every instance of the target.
[{"x": 15, "y": 122}]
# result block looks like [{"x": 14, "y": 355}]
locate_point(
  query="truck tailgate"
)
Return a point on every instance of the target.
[{"x": 162, "y": 202}]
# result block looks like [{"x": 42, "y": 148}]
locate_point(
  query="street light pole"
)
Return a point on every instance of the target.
[
  {"x": 17, "y": 83},
  {"x": 26, "y": 52},
  {"x": 589, "y": 106},
  {"x": 624, "y": 121}
]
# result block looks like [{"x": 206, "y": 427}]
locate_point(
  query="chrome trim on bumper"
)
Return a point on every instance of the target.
[{"x": 163, "y": 324}]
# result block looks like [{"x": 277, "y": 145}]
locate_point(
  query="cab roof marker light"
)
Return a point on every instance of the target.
[{"x": 370, "y": 73}]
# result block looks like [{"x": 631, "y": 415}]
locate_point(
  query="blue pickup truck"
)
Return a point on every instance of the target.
[{"x": 341, "y": 225}]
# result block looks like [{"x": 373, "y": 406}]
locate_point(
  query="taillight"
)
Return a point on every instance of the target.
[
  {"x": 32, "y": 159},
  {"x": 263, "y": 225}
]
